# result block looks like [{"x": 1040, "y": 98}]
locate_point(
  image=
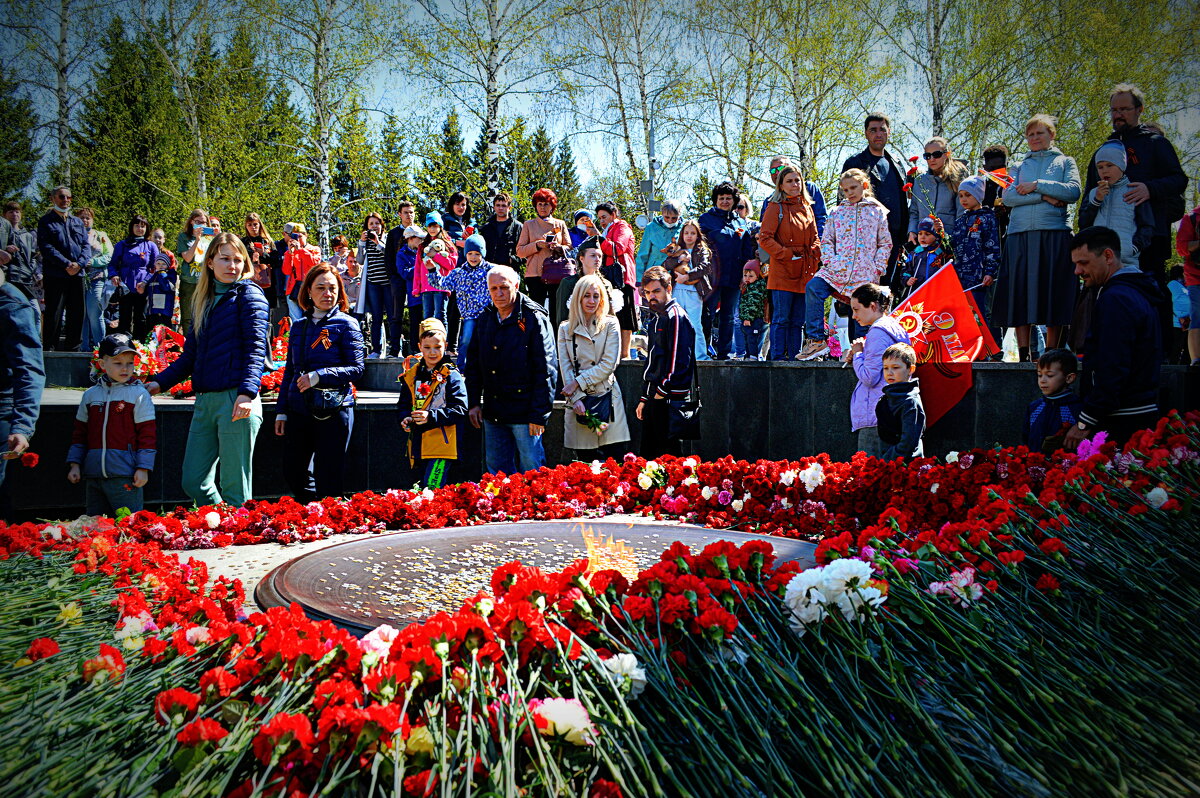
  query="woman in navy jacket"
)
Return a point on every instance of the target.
[
  {"x": 132, "y": 265},
  {"x": 225, "y": 354},
  {"x": 325, "y": 355}
]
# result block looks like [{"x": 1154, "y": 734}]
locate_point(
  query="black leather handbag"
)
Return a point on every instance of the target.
[
  {"x": 322, "y": 403},
  {"x": 600, "y": 406},
  {"x": 683, "y": 415}
]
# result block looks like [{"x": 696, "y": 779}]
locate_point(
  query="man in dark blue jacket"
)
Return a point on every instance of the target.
[
  {"x": 887, "y": 174},
  {"x": 1123, "y": 352},
  {"x": 511, "y": 374},
  {"x": 1154, "y": 173},
  {"x": 63, "y": 242},
  {"x": 729, "y": 237},
  {"x": 22, "y": 378}
]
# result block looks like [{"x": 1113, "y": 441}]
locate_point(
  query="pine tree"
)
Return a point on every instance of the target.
[
  {"x": 132, "y": 152},
  {"x": 445, "y": 169},
  {"x": 395, "y": 185},
  {"x": 566, "y": 179},
  {"x": 18, "y": 156},
  {"x": 539, "y": 164},
  {"x": 701, "y": 199}
]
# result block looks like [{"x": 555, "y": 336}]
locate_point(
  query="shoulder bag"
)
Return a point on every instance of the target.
[
  {"x": 600, "y": 406},
  {"x": 322, "y": 403},
  {"x": 683, "y": 415}
]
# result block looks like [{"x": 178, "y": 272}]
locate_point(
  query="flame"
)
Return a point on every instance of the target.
[{"x": 609, "y": 553}]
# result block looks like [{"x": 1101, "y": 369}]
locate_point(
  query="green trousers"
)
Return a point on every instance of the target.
[{"x": 215, "y": 437}]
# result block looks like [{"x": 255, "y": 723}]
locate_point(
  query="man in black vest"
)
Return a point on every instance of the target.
[{"x": 887, "y": 181}]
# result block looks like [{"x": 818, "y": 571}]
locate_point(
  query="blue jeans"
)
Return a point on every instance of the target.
[
  {"x": 511, "y": 449},
  {"x": 787, "y": 331},
  {"x": 815, "y": 294},
  {"x": 106, "y": 495},
  {"x": 379, "y": 304},
  {"x": 295, "y": 312},
  {"x": 689, "y": 300},
  {"x": 95, "y": 299},
  {"x": 433, "y": 305},
  {"x": 752, "y": 336},
  {"x": 724, "y": 302},
  {"x": 464, "y": 341}
]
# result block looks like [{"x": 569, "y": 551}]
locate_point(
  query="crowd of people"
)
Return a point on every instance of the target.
[{"x": 503, "y": 318}]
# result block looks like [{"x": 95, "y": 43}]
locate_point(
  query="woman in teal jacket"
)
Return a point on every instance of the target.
[
  {"x": 657, "y": 235},
  {"x": 1037, "y": 283}
]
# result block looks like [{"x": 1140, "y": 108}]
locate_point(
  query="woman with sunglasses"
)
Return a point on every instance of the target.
[{"x": 935, "y": 192}]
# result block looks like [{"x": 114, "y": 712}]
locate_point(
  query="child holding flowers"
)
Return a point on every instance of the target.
[{"x": 433, "y": 399}]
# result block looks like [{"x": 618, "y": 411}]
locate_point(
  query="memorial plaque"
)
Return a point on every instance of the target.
[{"x": 405, "y": 577}]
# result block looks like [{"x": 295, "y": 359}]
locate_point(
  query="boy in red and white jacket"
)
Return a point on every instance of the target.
[{"x": 113, "y": 443}]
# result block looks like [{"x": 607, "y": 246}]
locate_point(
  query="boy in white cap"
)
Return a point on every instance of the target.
[
  {"x": 1106, "y": 205},
  {"x": 976, "y": 242}
]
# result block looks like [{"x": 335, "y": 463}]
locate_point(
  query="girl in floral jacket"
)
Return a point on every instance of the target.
[{"x": 854, "y": 249}]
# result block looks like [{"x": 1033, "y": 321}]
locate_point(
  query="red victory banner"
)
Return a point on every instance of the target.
[{"x": 948, "y": 334}]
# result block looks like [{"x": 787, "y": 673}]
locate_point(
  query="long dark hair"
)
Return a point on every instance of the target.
[
  {"x": 456, "y": 198},
  {"x": 137, "y": 217}
]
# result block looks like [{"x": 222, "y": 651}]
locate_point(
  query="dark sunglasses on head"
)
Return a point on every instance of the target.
[{"x": 929, "y": 156}]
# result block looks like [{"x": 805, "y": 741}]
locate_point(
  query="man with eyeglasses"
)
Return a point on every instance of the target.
[
  {"x": 1154, "y": 173},
  {"x": 887, "y": 182},
  {"x": 63, "y": 243}
]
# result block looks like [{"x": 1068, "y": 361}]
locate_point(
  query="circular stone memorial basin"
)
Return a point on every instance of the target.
[{"x": 405, "y": 577}]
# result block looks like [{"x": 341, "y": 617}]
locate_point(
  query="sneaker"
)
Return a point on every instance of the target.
[
  {"x": 373, "y": 356},
  {"x": 813, "y": 349}
]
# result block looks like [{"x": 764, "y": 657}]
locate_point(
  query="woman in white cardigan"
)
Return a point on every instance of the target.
[{"x": 589, "y": 348}]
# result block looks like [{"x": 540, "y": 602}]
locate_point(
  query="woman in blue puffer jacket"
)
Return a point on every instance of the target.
[
  {"x": 131, "y": 266},
  {"x": 315, "y": 412},
  {"x": 225, "y": 354}
]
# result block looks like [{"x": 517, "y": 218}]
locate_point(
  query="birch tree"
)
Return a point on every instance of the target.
[
  {"x": 56, "y": 43},
  {"x": 322, "y": 49},
  {"x": 484, "y": 52}
]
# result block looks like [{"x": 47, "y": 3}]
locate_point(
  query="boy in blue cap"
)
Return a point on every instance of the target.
[
  {"x": 1106, "y": 205},
  {"x": 468, "y": 281}
]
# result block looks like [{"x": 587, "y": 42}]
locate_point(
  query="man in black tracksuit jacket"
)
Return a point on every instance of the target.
[
  {"x": 1123, "y": 353},
  {"x": 669, "y": 364}
]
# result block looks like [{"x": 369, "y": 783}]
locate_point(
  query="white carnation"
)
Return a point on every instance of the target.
[
  {"x": 1157, "y": 498},
  {"x": 737, "y": 505},
  {"x": 213, "y": 519},
  {"x": 644, "y": 481},
  {"x": 565, "y": 717},
  {"x": 952, "y": 457},
  {"x": 626, "y": 672},
  {"x": 812, "y": 477},
  {"x": 787, "y": 477}
]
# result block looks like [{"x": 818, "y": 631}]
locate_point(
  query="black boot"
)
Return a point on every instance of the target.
[{"x": 1022, "y": 354}]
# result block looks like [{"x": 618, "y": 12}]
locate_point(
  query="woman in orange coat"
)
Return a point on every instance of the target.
[{"x": 789, "y": 236}]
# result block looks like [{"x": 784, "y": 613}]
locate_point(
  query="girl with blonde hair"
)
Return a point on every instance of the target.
[{"x": 224, "y": 354}]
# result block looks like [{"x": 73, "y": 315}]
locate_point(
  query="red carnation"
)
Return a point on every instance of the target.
[
  {"x": 278, "y": 735},
  {"x": 204, "y": 730},
  {"x": 29, "y": 460},
  {"x": 603, "y": 788},
  {"x": 1047, "y": 583},
  {"x": 1053, "y": 546},
  {"x": 175, "y": 702},
  {"x": 907, "y": 187},
  {"x": 220, "y": 680},
  {"x": 109, "y": 665},
  {"x": 41, "y": 648}
]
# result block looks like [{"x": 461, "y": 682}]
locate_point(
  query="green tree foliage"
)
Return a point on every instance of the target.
[
  {"x": 18, "y": 155},
  {"x": 132, "y": 150},
  {"x": 701, "y": 198},
  {"x": 446, "y": 168},
  {"x": 395, "y": 180},
  {"x": 566, "y": 179}
]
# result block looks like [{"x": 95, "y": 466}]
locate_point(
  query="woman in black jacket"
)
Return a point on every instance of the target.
[{"x": 315, "y": 412}]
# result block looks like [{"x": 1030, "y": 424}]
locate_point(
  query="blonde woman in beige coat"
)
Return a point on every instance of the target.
[{"x": 589, "y": 348}]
